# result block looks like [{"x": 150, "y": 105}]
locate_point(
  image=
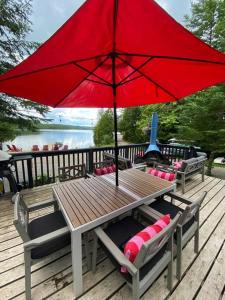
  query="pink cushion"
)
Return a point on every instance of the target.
[
  {"x": 177, "y": 165},
  {"x": 133, "y": 246},
  {"x": 110, "y": 169},
  {"x": 104, "y": 170},
  {"x": 98, "y": 171},
  {"x": 163, "y": 175},
  {"x": 114, "y": 167}
]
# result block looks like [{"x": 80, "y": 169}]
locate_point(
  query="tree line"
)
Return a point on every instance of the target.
[{"x": 199, "y": 118}]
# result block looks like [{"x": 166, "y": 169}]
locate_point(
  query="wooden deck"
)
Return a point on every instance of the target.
[{"x": 203, "y": 278}]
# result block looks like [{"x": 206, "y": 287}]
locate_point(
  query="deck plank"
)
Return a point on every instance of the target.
[{"x": 203, "y": 277}]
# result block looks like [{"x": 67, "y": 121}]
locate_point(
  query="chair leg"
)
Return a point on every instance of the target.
[
  {"x": 170, "y": 268},
  {"x": 183, "y": 184},
  {"x": 135, "y": 287},
  {"x": 203, "y": 174},
  {"x": 179, "y": 253},
  {"x": 27, "y": 261},
  {"x": 87, "y": 251},
  {"x": 94, "y": 253}
]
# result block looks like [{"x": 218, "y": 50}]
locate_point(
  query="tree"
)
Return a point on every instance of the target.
[
  {"x": 129, "y": 126},
  {"x": 16, "y": 113},
  {"x": 207, "y": 21},
  {"x": 203, "y": 119},
  {"x": 168, "y": 119},
  {"x": 103, "y": 131}
]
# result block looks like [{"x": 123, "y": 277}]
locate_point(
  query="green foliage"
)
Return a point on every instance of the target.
[
  {"x": 202, "y": 120},
  {"x": 207, "y": 22},
  {"x": 14, "y": 25},
  {"x": 103, "y": 131},
  {"x": 129, "y": 125},
  {"x": 206, "y": 110},
  {"x": 168, "y": 119}
]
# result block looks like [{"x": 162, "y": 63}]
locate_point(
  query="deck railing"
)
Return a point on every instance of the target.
[{"x": 43, "y": 167}]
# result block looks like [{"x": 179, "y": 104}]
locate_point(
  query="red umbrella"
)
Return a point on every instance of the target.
[{"x": 116, "y": 53}]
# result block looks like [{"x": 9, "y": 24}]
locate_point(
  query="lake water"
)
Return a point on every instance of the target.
[{"x": 72, "y": 138}]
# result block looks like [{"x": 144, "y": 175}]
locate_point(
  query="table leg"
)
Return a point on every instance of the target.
[{"x": 76, "y": 249}]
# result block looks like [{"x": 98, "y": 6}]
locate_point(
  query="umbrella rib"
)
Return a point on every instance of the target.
[
  {"x": 92, "y": 73},
  {"x": 52, "y": 67},
  {"x": 134, "y": 71},
  {"x": 78, "y": 84},
  {"x": 150, "y": 79},
  {"x": 173, "y": 57},
  {"x": 132, "y": 79},
  {"x": 95, "y": 81}
]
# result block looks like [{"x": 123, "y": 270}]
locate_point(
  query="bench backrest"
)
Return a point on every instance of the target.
[
  {"x": 20, "y": 217},
  {"x": 72, "y": 172},
  {"x": 124, "y": 163}
]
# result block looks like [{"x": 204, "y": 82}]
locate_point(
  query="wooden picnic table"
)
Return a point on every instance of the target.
[{"x": 88, "y": 203}]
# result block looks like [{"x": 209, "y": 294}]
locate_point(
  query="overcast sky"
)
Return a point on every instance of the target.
[{"x": 49, "y": 15}]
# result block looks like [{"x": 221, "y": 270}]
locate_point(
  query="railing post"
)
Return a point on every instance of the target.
[
  {"x": 127, "y": 152},
  {"x": 29, "y": 173},
  {"x": 90, "y": 161}
]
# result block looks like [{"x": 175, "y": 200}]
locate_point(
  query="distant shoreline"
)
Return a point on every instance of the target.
[{"x": 62, "y": 126}]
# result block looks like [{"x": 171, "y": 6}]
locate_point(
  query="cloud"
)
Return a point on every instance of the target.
[{"x": 76, "y": 116}]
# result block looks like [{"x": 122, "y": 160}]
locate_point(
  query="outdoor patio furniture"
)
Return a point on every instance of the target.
[
  {"x": 123, "y": 163},
  {"x": 16, "y": 149},
  {"x": 35, "y": 148},
  {"x": 87, "y": 204},
  {"x": 153, "y": 256},
  {"x": 10, "y": 148},
  {"x": 45, "y": 148},
  {"x": 188, "y": 225},
  {"x": 55, "y": 147},
  {"x": 187, "y": 170},
  {"x": 65, "y": 147},
  {"x": 72, "y": 172},
  {"x": 41, "y": 237}
]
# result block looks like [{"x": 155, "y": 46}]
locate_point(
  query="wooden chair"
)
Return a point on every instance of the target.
[
  {"x": 188, "y": 225},
  {"x": 72, "y": 172},
  {"x": 42, "y": 236},
  {"x": 16, "y": 149},
  {"x": 45, "y": 148},
  {"x": 35, "y": 148},
  {"x": 154, "y": 256}
]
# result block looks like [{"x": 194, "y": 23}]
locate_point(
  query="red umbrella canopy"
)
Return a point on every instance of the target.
[{"x": 132, "y": 47}]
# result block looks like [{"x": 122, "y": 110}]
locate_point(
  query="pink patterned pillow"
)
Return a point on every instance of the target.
[
  {"x": 133, "y": 246},
  {"x": 177, "y": 165},
  {"x": 161, "y": 174},
  {"x": 98, "y": 171},
  {"x": 104, "y": 170},
  {"x": 110, "y": 169},
  {"x": 114, "y": 167}
]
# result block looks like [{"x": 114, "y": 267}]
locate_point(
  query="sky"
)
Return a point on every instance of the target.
[{"x": 49, "y": 15}]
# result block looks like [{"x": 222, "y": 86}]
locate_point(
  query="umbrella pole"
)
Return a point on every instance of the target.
[{"x": 116, "y": 142}]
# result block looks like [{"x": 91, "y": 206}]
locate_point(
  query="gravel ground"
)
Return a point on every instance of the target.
[{"x": 218, "y": 172}]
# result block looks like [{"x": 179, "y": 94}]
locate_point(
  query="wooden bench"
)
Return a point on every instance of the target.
[
  {"x": 72, "y": 172},
  {"x": 123, "y": 163}
]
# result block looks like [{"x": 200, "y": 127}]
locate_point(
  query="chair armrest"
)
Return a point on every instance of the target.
[
  {"x": 46, "y": 238},
  {"x": 149, "y": 212},
  {"x": 40, "y": 205},
  {"x": 140, "y": 167},
  {"x": 115, "y": 251},
  {"x": 179, "y": 198},
  {"x": 90, "y": 175}
]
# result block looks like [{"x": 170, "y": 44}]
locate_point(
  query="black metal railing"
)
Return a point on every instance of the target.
[{"x": 43, "y": 168}]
